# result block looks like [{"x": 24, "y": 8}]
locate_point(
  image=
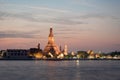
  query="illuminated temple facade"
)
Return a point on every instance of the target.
[{"x": 51, "y": 48}]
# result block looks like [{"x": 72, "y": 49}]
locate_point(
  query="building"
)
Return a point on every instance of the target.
[
  {"x": 16, "y": 54},
  {"x": 2, "y": 53},
  {"x": 66, "y": 50},
  {"x": 36, "y": 52},
  {"x": 51, "y": 47}
]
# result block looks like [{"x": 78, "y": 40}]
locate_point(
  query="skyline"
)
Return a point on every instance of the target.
[{"x": 80, "y": 24}]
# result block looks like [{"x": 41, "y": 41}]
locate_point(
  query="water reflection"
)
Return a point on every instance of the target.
[
  {"x": 77, "y": 63},
  {"x": 36, "y": 61},
  {"x": 59, "y": 70}
]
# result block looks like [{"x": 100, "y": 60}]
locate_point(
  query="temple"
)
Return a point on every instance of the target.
[{"x": 51, "y": 48}]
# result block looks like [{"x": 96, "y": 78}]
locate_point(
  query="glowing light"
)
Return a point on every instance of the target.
[
  {"x": 38, "y": 55},
  {"x": 50, "y": 55},
  {"x": 77, "y": 62},
  {"x": 61, "y": 56}
]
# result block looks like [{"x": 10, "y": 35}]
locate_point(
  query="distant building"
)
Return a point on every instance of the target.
[
  {"x": 33, "y": 50},
  {"x": 2, "y": 53},
  {"x": 16, "y": 54},
  {"x": 66, "y": 50},
  {"x": 91, "y": 54},
  {"x": 36, "y": 52}
]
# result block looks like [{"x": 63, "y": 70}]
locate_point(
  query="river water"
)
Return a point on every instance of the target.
[{"x": 60, "y": 70}]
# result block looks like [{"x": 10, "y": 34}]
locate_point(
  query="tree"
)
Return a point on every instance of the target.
[{"x": 82, "y": 54}]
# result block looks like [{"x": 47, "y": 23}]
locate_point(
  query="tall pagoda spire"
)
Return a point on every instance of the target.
[
  {"x": 51, "y": 46},
  {"x": 51, "y": 37},
  {"x": 51, "y": 32}
]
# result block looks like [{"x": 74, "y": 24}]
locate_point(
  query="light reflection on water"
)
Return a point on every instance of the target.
[{"x": 60, "y": 70}]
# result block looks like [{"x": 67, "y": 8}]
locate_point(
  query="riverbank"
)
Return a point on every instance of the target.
[{"x": 50, "y": 59}]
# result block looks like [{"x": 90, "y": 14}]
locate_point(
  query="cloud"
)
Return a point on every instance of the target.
[
  {"x": 66, "y": 20},
  {"x": 98, "y": 16},
  {"x": 18, "y": 34},
  {"x": 31, "y": 17},
  {"x": 37, "y": 14},
  {"x": 62, "y": 19},
  {"x": 2, "y": 14},
  {"x": 79, "y": 19},
  {"x": 118, "y": 45},
  {"x": 8, "y": 15},
  {"x": 48, "y": 9},
  {"x": 35, "y": 8},
  {"x": 49, "y": 15},
  {"x": 27, "y": 12}
]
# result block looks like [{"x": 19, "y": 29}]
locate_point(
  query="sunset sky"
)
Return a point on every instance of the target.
[{"x": 81, "y": 24}]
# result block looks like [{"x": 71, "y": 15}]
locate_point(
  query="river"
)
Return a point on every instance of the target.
[{"x": 60, "y": 70}]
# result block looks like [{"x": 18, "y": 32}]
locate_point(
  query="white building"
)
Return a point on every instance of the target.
[{"x": 17, "y": 53}]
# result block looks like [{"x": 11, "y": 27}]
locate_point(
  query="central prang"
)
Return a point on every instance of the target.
[{"x": 51, "y": 48}]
